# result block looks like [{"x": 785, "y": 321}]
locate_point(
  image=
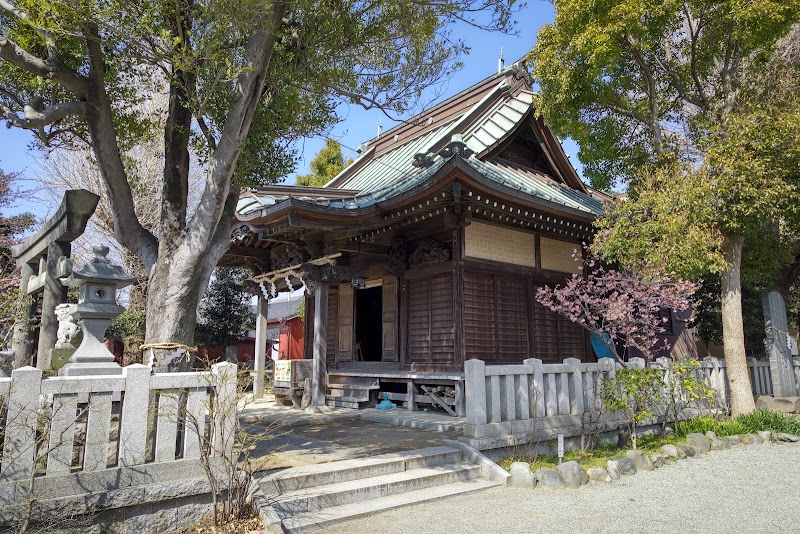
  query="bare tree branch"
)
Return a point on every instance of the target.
[
  {"x": 201, "y": 123},
  {"x": 652, "y": 95},
  {"x": 32, "y": 119}
]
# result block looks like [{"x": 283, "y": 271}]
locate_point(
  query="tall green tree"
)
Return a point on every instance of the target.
[
  {"x": 672, "y": 86},
  {"x": 225, "y": 315},
  {"x": 243, "y": 78},
  {"x": 325, "y": 166}
]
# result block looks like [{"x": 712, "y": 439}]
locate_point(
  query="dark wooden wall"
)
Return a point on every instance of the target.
[{"x": 431, "y": 320}]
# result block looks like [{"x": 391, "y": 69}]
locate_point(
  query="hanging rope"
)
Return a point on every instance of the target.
[{"x": 167, "y": 346}]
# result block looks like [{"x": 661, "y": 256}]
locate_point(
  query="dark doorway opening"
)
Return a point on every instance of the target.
[{"x": 369, "y": 324}]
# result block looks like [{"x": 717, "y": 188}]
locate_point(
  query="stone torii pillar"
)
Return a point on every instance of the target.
[{"x": 43, "y": 259}]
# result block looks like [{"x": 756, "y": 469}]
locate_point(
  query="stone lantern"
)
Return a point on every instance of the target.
[{"x": 98, "y": 282}]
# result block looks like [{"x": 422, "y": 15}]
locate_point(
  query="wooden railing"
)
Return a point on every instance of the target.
[
  {"x": 533, "y": 397},
  {"x": 88, "y": 423}
]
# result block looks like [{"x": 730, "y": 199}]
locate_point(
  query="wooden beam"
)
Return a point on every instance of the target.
[{"x": 320, "y": 374}]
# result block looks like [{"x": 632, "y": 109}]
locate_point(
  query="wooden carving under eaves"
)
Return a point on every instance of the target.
[
  {"x": 240, "y": 232},
  {"x": 428, "y": 252},
  {"x": 398, "y": 252},
  {"x": 286, "y": 255}
]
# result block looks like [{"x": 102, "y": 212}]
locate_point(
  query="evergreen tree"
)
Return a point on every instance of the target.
[
  {"x": 325, "y": 166},
  {"x": 224, "y": 314}
]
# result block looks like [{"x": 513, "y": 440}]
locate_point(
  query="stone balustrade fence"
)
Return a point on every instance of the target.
[
  {"x": 512, "y": 404},
  {"x": 68, "y": 424}
]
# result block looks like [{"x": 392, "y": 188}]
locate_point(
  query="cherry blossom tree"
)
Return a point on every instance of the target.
[{"x": 620, "y": 306}]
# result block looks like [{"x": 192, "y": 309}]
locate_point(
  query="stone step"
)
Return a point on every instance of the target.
[
  {"x": 308, "y": 521},
  {"x": 345, "y": 470},
  {"x": 346, "y": 402},
  {"x": 359, "y": 394},
  {"x": 358, "y": 491},
  {"x": 354, "y": 387}
]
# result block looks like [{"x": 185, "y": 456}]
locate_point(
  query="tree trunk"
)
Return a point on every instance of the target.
[
  {"x": 733, "y": 329},
  {"x": 173, "y": 293}
]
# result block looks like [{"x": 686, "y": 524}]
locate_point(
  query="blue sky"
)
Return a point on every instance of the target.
[{"x": 357, "y": 125}]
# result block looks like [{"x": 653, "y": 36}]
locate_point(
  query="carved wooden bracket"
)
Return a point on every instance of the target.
[{"x": 428, "y": 252}]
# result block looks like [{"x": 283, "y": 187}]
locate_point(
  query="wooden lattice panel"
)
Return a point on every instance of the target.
[
  {"x": 488, "y": 242},
  {"x": 557, "y": 255}
]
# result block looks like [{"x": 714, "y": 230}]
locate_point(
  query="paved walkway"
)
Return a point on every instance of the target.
[
  {"x": 300, "y": 438},
  {"x": 746, "y": 489}
]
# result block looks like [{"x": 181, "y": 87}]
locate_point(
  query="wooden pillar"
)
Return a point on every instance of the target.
[
  {"x": 54, "y": 293},
  {"x": 23, "y": 338},
  {"x": 261, "y": 345},
  {"x": 320, "y": 376}
]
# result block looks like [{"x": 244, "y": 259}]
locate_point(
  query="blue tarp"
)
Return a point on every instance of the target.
[{"x": 600, "y": 349}]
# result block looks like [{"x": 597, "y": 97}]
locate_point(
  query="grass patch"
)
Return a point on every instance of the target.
[
  {"x": 770, "y": 420},
  {"x": 745, "y": 424},
  {"x": 594, "y": 458}
]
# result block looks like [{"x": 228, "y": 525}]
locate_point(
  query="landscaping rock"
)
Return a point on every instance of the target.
[
  {"x": 787, "y": 438},
  {"x": 640, "y": 460},
  {"x": 757, "y": 439},
  {"x": 766, "y": 435},
  {"x": 657, "y": 459},
  {"x": 573, "y": 474},
  {"x": 719, "y": 444},
  {"x": 699, "y": 442},
  {"x": 712, "y": 436},
  {"x": 734, "y": 440},
  {"x": 598, "y": 475},
  {"x": 521, "y": 475},
  {"x": 671, "y": 451},
  {"x": 549, "y": 478},
  {"x": 747, "y": 439},
  {"x": 779, "y": 404},
  {"x": 688, "y": 450},
  {"x": 613, "y": 469},
  {"x": 626, "y": 466}
]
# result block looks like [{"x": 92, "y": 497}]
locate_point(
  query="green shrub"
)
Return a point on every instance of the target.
[
  {"x": 769, "y": 420},
  {"x": 729, "y": 428},
  {"x": 633, "y": 393},
  {"x": 699, "y": 425}
]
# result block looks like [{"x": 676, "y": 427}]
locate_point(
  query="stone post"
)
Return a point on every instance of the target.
[
  {"x": 320, "y": 376},
  {"x": 780, "y": 359},
  {"x": 23, "y": 340},
  {"x": 261, "y": 345},
  {"x": 19, "y": 449},
  {"x": 54, "y": 293}
]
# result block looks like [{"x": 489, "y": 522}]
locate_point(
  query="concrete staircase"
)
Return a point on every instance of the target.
[{"x": 304, "y": 498}]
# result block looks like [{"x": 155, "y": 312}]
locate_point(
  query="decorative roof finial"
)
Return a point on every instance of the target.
[{"x": 501, "y": 63}]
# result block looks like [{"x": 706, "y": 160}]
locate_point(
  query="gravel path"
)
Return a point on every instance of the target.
[{"x": 746, "y": 489}]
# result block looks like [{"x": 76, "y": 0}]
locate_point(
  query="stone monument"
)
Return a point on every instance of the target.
[
  {"x": 98, "y": 282},
  {"x": 780, "y": 358}
]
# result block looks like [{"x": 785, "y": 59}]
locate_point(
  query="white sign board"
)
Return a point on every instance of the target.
[{"x": 560, "y": 446}]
